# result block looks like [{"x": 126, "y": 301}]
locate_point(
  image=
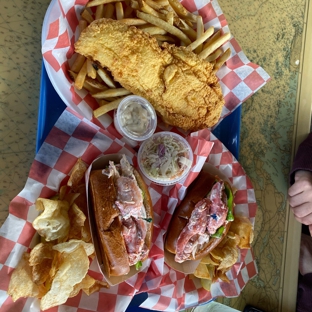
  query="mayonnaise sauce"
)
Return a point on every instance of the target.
[{"x": 135, "y": 118}]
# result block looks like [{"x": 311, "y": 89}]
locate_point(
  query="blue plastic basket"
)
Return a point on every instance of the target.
[{"x": 51, "y": 107}]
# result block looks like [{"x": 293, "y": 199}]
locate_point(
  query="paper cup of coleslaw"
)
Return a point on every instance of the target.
[{"x": 165, "y": 158}]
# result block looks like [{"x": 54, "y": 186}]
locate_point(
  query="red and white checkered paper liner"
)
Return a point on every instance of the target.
[
  {"x": 74, "y": 136},
  {"x": 239, "y": 78}
]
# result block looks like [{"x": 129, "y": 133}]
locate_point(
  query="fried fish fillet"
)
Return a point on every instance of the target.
[{"x": 182, "y": 88}]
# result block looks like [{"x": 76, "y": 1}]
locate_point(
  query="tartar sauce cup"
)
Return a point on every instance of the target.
[
  {"x": 165, "y": 158},
  {"x": 135, "y": 119}
]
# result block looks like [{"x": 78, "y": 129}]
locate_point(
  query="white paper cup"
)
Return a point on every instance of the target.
[{"x": 135, "y": 119}]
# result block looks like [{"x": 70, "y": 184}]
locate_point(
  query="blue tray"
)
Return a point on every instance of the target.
[{"x": 51, "y": 107}]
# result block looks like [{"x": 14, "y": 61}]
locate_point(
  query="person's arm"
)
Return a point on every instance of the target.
[{"x": 300, "y": 193}]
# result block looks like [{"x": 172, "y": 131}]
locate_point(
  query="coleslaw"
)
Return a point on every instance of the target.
[{"x": 165, "y": 157}]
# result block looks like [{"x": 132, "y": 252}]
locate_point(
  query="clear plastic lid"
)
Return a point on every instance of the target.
[
  {"x": 165, "y": 158},
  {"x": 135, "y": 118}
]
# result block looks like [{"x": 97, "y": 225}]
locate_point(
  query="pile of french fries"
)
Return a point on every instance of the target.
[{"x": 165, "y": 20}]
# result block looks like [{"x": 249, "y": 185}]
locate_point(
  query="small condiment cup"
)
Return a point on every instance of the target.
[
  {"x": 135, "y": 119},
  {"x": 165, "y": 150}
]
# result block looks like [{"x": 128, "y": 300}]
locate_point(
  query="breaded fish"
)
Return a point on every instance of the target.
[{"x": 182, "y": 88}]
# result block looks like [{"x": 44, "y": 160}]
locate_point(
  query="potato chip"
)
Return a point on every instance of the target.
[
  {"x": 81, "y": 200},
  {"x": 208, "y": 259},
  {"x": 41, "y": 259},
  {"x": 229, "y": 259},
  {"x": 244, "y": 229},
  {"x": 202, "y": 271},
  {"x": 217, "y": 253},
  {"x": 232, "y": 235},
  {"x": 206, "y": 283},
  {"x": 40, "y": 252},
  {"x": 72, "y": 270},
  {"x": 222, "y": 276},
  {"x": 86, "y": 233},
  {"x": 221, "y": 258},
  {"x": 72, "y": 245},
  {"x": 86, "y": 283},
  {"x": 77, "y": 174},
  {"x": 191, "y": 276},
  {"x": 95, "y": 287},
  {"x": 89, "y": 285},
  {"x": 53, "y": 223},
  {"x": 54, "y": 266},
  {"x": 212, "y": 271},
  {"x": 41, "y": 272},
  {"x": 71, "y": 197},
  {"x": 62, "y": 192},
  {"x": 77, "y": 220},
  {"x": 21, "y": 283}
]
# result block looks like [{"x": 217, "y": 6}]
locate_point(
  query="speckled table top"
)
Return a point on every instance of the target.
[
  {"x": 270, "y": 33},
  {"x": 20, "y": 64}
]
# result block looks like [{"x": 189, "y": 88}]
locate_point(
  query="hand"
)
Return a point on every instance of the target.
[{"x": 300, "y": 197}]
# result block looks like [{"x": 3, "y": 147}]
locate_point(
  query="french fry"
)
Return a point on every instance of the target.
[
  {"x": 98, "y": 2},
  {"x": 212, "y": 39},
  {"x": 111, "y": 93},
  {"x": 162, "y": 3},
  {"x": 222, "y": 59},
  {"x": 215, "y": 45},
  {"x": 170, "y": 18},
  {"x": 155, "y": 5},
  {"x": 119, "y": 11},
  {"x": 199, "y": 31},
  {"x": 78, "y": 63},
  {"x": 87, "y": 16},
  {"x": 135, "y": 5},
  {"x": 106, "y": 78},
  {"x": 99, "y": 13},
  {"x": 164, "y": 38},
  {"x": 103, "y": 102},
  {"x": 111, "y": 99},
  {"x": 102, "y": 110},
  {"x": 109, "y": 10},
  {"x": 182, "y": 11},
  {"x": 189, "y": 31},
  {"x": 200, "y": 26},
  {"x": 92, "y": 85},
  {"x": 164, "y": 25},
  {"x": 208, "y": 33},
  {"x": 82, "y": 24},
  {"x": 96, "y": 85},
  {"x": 144, "y": 7},
  {"x": 91, "y": 72},
  {"x": 153, "y": 30},
  {"x": 213, "y": 56},
  {"x": 213, "y": 63},
  {"x": 80, "y": 79},
  {"x": 133, "y": 21}
]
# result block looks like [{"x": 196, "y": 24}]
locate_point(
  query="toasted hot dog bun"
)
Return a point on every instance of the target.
[
  {"x": 109, "y": 227},
  {"x": 197, "y": 191}
]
